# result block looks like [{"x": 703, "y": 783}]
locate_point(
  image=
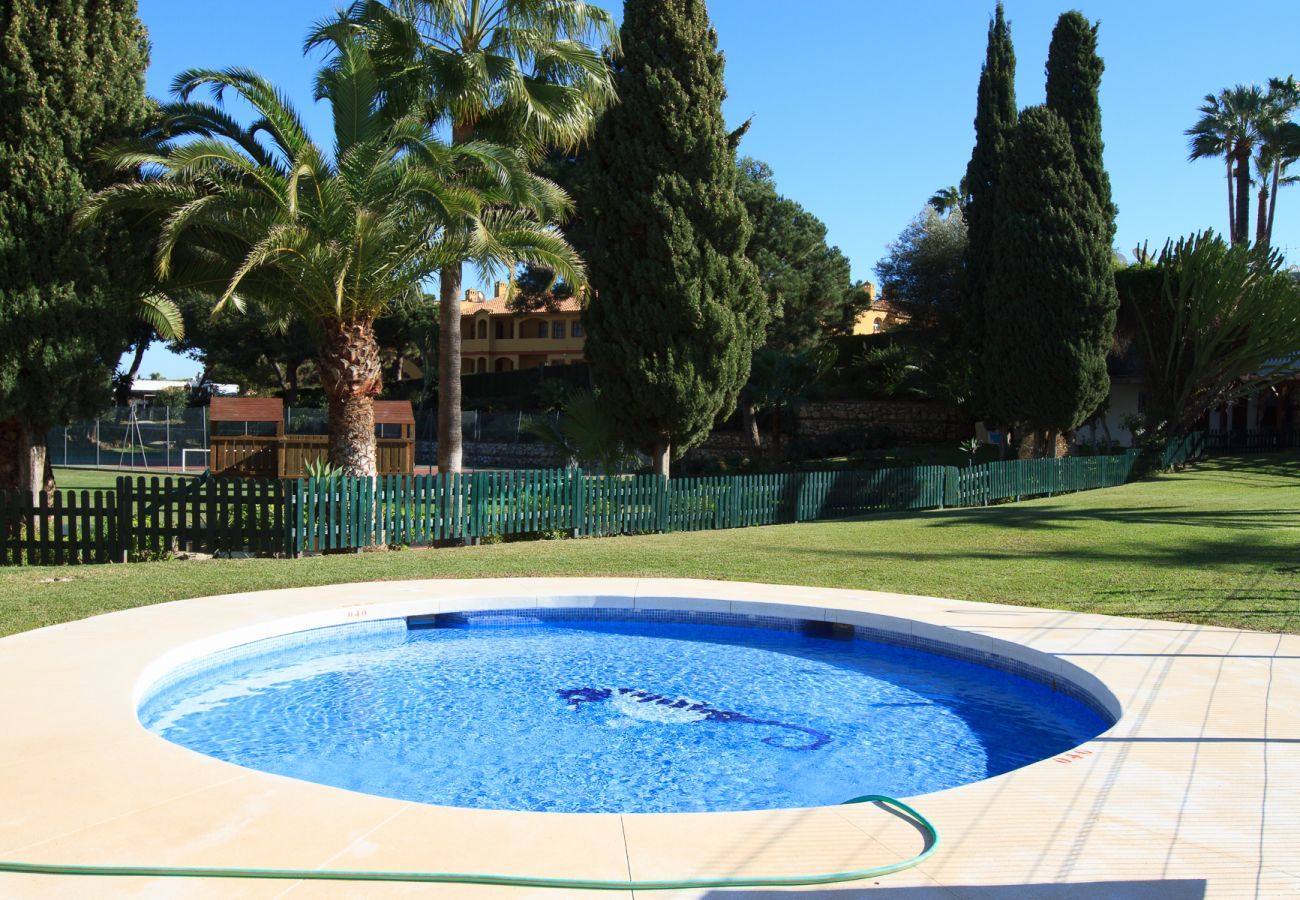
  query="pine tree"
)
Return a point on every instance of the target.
[
  {"x": 71, "y": 80},
  {"x": 995, "y": 117},
  {"x": 1073, "y": 79},
  {"x": 1047, "y": 340},
  {"x": 808, "y": 284},
  {"x": 677, "y": 307}
]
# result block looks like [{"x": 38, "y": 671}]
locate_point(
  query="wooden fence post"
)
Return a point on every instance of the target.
[
  {"x": 577, "y": 502},
  {"x": 122, "y": 545}
]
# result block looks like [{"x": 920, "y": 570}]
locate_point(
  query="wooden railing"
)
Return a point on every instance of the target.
[{"x": 287, "y": 456}]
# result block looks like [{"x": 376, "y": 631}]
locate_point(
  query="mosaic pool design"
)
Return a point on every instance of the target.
[{"x": 614, "y": 711}]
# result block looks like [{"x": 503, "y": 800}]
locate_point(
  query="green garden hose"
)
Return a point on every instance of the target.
[{"x": 931, "y": 843}]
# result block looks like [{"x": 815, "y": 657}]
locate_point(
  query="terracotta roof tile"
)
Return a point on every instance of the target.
[{"x": 498, "y": 306}]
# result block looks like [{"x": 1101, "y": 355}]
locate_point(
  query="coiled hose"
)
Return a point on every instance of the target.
[{"x": 931, "y": 844}]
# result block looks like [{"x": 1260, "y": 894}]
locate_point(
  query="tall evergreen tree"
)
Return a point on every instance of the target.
[
  {"x": 1047, "y": 340},
  {"x": 678, "y": 308},
  {"x": 1073, "y": 79},
  {"x": 995, "y": 117},
  {"x": 71, "y": 79}
]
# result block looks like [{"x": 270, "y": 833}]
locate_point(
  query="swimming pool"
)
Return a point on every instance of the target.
[{"x": 609, "y": 710}]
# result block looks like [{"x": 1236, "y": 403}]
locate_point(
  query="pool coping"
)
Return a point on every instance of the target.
[{"x": 1188, "y": 791}]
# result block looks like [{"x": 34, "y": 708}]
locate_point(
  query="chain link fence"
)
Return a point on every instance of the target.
[
  {"x": 158, "y": 437},
  {"x": 154, "y": 437}
]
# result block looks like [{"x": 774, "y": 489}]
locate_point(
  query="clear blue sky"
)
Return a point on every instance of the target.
[{"x": 863, "y": 109}]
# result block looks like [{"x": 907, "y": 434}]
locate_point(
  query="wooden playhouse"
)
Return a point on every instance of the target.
[{"x": 247, "y": 439}]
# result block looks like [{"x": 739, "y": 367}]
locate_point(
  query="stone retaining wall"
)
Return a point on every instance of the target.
[
  {"x": 910, "y": 421},
  {"x": 488, "y": 455}
]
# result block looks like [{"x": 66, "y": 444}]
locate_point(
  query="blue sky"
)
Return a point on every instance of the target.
[{"x": 863, "y": 108}]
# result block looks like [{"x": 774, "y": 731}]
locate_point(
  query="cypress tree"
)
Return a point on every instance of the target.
[
  {"x": 71, "y": 79},
  {"x": 995, "y": 117},
  {"x": 1046, "y": 343},
  {"x": 1073, "y": 78},
  {"x": 677, "y": 308}
]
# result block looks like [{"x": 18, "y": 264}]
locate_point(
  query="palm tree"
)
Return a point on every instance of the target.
[
  {"x": 1278, "y": 150},
  {"x": 945, "y": 199},
  {"x": 585, "y": 435},
  {"x": 262, "y": 214},
  {"x": 523, "y": 72},
  {"x": 1230, "y": 126}
]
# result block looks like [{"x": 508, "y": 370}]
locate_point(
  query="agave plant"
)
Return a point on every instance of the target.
[
  {"x": 322, "y": 469},
  {"x": 262, "y": 214}
]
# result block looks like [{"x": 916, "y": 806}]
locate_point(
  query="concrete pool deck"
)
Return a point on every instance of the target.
[{"x": 1194, "y": 792}]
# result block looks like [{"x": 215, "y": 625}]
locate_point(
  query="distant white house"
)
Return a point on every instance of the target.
[
  {"x": 144, "y": 390},
  {"x": 1271, "y": 409}
]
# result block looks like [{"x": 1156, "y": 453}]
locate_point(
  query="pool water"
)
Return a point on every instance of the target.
[{"x": 618, "y": 716}]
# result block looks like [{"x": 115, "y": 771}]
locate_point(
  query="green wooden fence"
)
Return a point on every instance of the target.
[
  {"x": 143, "y": 517},
  {"x": 75, "y": 527},
  {"x": 147, "y": 517},
  {"x": 344, "y": 513},
  {"x": 1250, "y": 441},
  {"x": 1188, "y": 447}
]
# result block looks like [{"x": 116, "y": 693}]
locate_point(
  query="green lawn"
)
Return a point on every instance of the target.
[
  {"x": 70, "y": 478},
  {"x": 1217, "y": 545}
]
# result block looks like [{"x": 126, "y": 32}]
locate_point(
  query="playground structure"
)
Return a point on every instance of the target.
[{"x": 264, "y": 450}]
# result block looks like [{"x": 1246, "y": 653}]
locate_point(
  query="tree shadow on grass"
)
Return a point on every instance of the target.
[
  {"x": 1253, "y": 596},
  {"x": 1048, "y": 516},
  {"x": 1235, "y": 551},
  {"x": 1285, "y": 465}
]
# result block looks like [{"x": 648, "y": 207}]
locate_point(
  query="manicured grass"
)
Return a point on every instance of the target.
[
  {"x": 71, "y": 478},
  {"x": 1216, "y": 544}
]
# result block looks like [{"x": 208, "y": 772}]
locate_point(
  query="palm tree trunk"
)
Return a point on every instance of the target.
[
  {"x": 122, "y": 395},
  {"x": 1243, "y": 199},
  {"x": 291, "y": 382},
  {"x": 1261, "y": 215},
  {"x": 1232, "y": 203},
  {"x": 661, "y": 457},
  {"x": 750, "y": 422},
  {"x": 1272, "y": 202},
  {"x": 449, "y": 386},
  {"x": 777, "y": 425},
  {"x": 449, "y": 393},
  {"x": 280, "y": 376},
  {"x": 350, "y": 374}
]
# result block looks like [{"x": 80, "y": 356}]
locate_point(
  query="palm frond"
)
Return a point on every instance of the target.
[{"x": 161, "y": 313}]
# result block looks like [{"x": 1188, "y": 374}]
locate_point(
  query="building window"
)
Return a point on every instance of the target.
[
  {"x": 557, "y": 331},
  {"x": 875, "y": 326},
  {"x": 577, "y": 328},
  {"x": 482, "y": 329},
  {"x": 500, "y": 330}
]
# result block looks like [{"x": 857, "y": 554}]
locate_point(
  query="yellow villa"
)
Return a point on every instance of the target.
[
  {"x": 880, "y": 315},
  {"x": 495, "y": 338}
]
